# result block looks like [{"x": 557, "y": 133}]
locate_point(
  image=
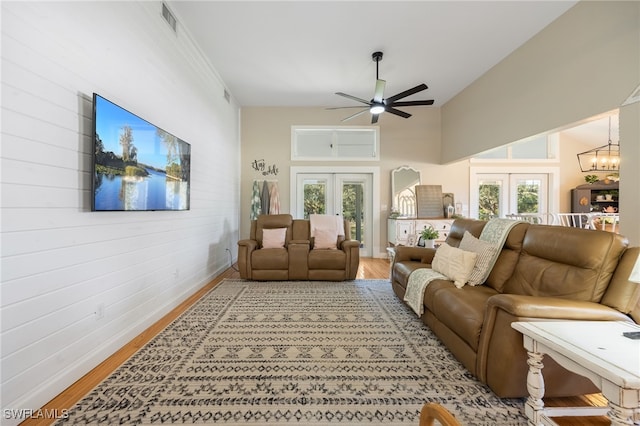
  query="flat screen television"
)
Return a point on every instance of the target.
[{"x": 136, "y": 165}]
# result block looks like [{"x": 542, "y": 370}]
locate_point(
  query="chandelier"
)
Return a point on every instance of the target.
[{"x": 605, "y": 158}]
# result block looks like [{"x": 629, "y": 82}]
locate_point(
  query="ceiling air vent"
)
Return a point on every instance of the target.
[{"x": 168, "y": 16}]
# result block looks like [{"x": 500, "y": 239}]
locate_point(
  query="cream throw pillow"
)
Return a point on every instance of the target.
[
  {"x": 454, "y": 263},
  {"x": 487, "y": 254},
  {"x": 325, "y": 239},
  {"x": 274, "y": 238}
]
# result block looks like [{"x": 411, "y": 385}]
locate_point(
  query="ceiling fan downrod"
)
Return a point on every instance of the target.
[{"x": 377, "y": 57}]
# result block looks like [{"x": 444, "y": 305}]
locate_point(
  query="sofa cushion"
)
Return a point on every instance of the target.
[
  {"x": 271, "y": 259},
  {"x": 508, "y": 258},
  {"x": 272, "y": 221},
  {"x": 486, "y": 253},
  {"x": 570, "y": 263},
  {"x": 623, "y": 294},
  {"x": 454, "y": 263},
  {"x": 273, "y": 238},
  {"x": 461, "y": 310},
  {"x": 460, "y": 226},
  {"x": 327, "y": 259}
]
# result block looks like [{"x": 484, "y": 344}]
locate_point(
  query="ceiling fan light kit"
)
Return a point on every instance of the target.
[
  {"x": 376, "y": 108},
  {"x": 379, "y": 104}
]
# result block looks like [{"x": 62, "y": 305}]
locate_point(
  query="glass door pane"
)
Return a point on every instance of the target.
[
  {"x": 502, "y": 194},
  {"x": 528, "y": 193},
  {"x": 354, "y": 192},
  {"x": 491, "y": 197},
  {"x": 337, "y": 193},
  {"x": 316, "y": 194}
]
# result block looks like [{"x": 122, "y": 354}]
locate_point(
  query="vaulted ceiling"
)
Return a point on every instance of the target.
[{"x": 299, "y": 53}]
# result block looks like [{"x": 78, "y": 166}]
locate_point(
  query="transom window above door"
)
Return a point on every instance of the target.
[{"x": 345, "y": 143}]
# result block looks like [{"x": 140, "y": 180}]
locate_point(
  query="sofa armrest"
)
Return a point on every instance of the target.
[
  {"x": 418, "y": 254},
  {"x": 352, "y": 250},
  {"x": 245, "y": 248},
  {"x": 307, "y": 242},
  {"x": 553, "y": 308},
  {"x": 298, "y": 259},
  {"x": 501, "y": 359}
]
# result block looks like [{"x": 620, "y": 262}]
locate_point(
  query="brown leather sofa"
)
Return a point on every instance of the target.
[
  {"x": 542, "y": 273},
  {"x": 298, "y": 259}
]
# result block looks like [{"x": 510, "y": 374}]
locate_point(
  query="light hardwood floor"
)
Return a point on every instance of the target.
[{"x": 369, "y": 269}]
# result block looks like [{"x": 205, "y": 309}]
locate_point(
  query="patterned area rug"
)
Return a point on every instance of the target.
[{"x": 309, "y": 353}]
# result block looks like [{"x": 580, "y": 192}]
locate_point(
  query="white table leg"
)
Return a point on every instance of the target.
[
  {"x": 620, "y": 416},
  {"x": 535, "y": 386}
]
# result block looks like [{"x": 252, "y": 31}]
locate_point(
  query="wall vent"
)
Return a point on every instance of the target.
[
  {"x": 227, "y": 96},
  {"x": 168, "y": 16}
]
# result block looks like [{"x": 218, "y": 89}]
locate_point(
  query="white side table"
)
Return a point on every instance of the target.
[
  {"x": 391, "y": 253},
  {"x": 594, "y": 349}
]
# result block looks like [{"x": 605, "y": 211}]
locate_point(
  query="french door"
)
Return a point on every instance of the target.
[
  {"x": 499, "y": 194},
  {"x": 346, "y": 194}
]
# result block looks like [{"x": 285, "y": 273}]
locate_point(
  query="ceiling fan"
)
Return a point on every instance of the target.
[{"x": 379, "y": 104}]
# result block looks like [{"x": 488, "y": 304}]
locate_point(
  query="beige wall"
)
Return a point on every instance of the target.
[
  {"x": 585, "y": 63},
  {"x": 266, "y": 135},
  {"x": 630, "y": 172}
]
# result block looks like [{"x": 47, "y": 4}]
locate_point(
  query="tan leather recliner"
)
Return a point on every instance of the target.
[
  {"x": 543, "y": 273},
  {"x": 298, "y": 260}
]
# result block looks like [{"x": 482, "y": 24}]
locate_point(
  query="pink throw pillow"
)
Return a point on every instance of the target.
[
  {"x": 325, "y": 239},
  {"x": 274, "y": 238}
]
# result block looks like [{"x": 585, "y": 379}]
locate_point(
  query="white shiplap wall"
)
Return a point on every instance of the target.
[{"x": 60, "y": 261}]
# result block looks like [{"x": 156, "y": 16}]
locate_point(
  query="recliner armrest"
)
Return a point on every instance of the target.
[
  {"x": 349, "y": 244},
  {"x": 245, "y": 248},
  {"x": 417, "y": 254},
  {"x": 249, "y": 244},
  {"x": 501, "y": 360},
  {"x": 300, "y": 242},
  {"x": 298, "y": 259},
  {"x": 352, "y": 250},
  {"x": 553, "y": 308}
]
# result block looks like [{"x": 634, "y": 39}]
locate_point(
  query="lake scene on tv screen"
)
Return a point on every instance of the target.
[{"x": 137, "y": 165}]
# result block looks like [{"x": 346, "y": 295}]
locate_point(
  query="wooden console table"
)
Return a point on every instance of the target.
[{"x": 594, "y": 349}]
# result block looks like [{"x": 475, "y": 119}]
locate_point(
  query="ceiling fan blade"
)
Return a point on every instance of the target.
[
  {"x": 412, "y": 103},
  {"x": 377, "y": 97},
  {"x": 398, "y": 112},
  {"x": 374, "y": 118},
  {"x": 352, "y": 97},
  {"x": 356, "y": 114},
  {"x": 353, "y": 106},
  {"x": 406, "y": 93}
]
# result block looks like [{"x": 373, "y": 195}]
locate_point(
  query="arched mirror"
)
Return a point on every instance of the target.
[{"x": 403, "y": 194}]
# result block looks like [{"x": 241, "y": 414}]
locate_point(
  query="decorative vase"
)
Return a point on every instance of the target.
[{"x": 429, "y": 243}]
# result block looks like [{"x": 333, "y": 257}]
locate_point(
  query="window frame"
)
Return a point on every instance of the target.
[{"x": 335, "y": 145}]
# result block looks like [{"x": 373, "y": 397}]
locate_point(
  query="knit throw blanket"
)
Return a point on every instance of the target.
[
  {"x": 417, "y": 284},
  {"x": 494, "y": 232}
]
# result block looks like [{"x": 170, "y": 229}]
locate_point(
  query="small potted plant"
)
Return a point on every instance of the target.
[
  {"x": 591, "y": 178},
  {"x": 429, "y": 234}
]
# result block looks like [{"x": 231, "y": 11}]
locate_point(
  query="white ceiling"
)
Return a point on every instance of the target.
[{"x": 299, "y": 53}]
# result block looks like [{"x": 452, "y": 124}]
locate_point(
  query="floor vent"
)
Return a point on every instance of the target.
[{"x": 168, "y": 16}]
